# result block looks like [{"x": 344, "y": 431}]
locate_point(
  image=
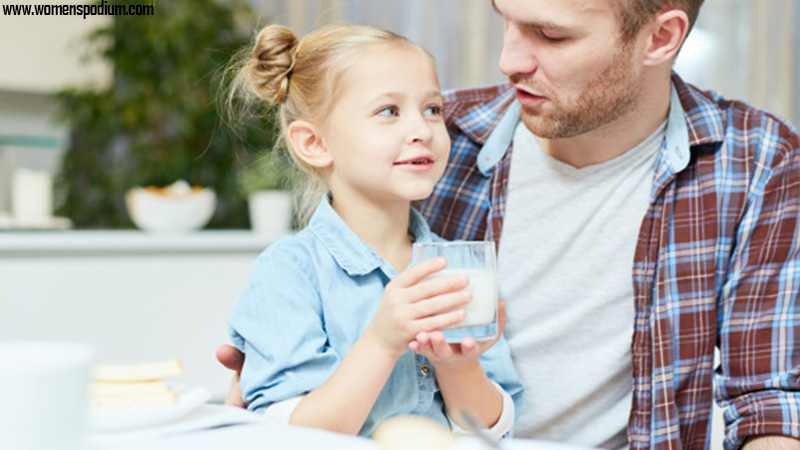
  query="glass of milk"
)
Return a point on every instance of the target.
[{"x": 476, "y": 260}]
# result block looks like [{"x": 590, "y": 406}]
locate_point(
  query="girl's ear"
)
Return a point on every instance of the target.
[
  {"x": 669, "y": 30},
  {"x": 308, "y": 145}
]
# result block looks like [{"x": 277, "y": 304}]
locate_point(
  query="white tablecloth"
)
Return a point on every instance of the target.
[{"x": 238, "y": 429}]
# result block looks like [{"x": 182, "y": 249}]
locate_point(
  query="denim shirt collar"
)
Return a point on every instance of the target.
[
  {"x": 677, "y": 134},
  {"x": 498, "y": 142},
  {"x": 352, "y": 254}
]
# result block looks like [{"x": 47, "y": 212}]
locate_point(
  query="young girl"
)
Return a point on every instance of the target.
[{"x": 338, "y": 333}]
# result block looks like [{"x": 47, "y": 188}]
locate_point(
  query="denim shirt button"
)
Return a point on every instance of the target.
[{"x": 424, "y": 370}]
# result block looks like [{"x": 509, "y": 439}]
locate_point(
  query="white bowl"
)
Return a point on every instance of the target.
[{"x": 161, "y": 210}]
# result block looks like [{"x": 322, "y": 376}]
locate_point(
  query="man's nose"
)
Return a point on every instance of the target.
[{"x": 518, "y": 56}]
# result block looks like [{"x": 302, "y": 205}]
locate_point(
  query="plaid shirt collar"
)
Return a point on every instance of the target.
[{"x": 693, "y": 119}]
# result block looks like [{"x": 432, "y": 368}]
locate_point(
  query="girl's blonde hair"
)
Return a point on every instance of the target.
[{"x": 301, "y": 78}]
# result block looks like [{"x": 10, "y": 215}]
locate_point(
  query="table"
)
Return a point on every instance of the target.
[{"x": 241, "y": 429}]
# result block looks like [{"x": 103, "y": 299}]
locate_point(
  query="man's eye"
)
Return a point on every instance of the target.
[
  {"x": 389, "y": 111},
  {"x": 551, "y": 38},
  {"x": 434, "y": 110}
]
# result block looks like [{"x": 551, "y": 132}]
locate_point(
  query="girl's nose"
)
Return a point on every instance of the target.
[{"x": 420, "y": 130}]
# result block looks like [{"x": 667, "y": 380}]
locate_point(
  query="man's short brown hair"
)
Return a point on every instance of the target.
[{"x": 633, "y": 14}]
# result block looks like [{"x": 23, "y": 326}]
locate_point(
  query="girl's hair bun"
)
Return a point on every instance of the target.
[{"x": 274, "y": 56}]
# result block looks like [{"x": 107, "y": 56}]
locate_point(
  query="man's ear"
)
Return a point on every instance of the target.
[
  {"x": 308, "y": 145},
  {"x": 666, "y": 35}
]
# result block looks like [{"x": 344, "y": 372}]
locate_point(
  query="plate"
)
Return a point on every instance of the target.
[{"x": 188, "y": 400}]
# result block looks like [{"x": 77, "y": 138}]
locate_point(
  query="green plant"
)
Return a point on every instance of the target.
[
  {"x": 269, "y": 171},
  {"x": 157, "y": 121}
]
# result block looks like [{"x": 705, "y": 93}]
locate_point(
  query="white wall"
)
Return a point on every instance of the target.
[
  {"x": 40, "y": 55},
  {"x": 43, "y": 53}
]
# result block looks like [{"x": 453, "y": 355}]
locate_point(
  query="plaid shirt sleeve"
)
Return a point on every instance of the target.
[
  {"x": 717, "y": 265},
  {"x": 759, "y": 319}
]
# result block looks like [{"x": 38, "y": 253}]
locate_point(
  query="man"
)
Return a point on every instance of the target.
[{"x": 621, "y": 170}]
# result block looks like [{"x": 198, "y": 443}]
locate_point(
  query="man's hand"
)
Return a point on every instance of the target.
[
  {"x": 771, "y": 443},
  {"x": 230, "y": 357}
]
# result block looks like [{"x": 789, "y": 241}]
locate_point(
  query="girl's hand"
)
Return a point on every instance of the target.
[
  {"x": 413, "y": 303},
  {"x": 442, "y": 355}
]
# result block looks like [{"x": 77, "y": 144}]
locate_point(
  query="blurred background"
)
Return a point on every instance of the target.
[
  {"x": 91, "y": 108},
  {"x": 133, "y": 104}
]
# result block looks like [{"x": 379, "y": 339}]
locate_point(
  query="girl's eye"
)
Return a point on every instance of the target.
[
  {"x": 389, "y": 111},
  {"x": 434, "y": 110}
]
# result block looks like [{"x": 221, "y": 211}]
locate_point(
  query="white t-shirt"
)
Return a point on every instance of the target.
[{"x": 565, "y": 264}]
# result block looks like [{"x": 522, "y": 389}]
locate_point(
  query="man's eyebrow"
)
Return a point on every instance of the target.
[
  {"x": 543, "y": 26},
  {"x": 534, "y": 25}
]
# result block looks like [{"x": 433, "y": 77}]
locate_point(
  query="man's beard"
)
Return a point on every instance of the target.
[{"x": 606, "y": 98}]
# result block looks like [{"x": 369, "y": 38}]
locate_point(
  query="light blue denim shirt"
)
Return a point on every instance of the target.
[{"x": 309, "y": 298}]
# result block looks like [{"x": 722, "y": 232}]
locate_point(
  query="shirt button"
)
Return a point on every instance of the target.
[{"x": 424, "y": 370}]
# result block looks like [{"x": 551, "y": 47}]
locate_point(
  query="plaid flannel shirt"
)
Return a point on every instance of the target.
[{"x": 716, "y": 264}]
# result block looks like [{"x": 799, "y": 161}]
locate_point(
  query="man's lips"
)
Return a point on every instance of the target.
[{"x": 526, "y": 97}]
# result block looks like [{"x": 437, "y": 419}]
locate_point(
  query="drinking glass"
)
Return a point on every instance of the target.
[{"x": 477, "y": 261}]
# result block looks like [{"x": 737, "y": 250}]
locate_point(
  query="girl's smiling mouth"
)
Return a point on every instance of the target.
[{"x": 417, "y": 164}]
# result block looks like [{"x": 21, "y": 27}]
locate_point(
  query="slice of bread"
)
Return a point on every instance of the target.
[
  {"x": 133, "y": 386},
  {"x": 113, "y": 389},
  {"x": 125, "y": 402}
]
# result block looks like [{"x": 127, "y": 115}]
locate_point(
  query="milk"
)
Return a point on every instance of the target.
[
  {"x": 482, "y": 309},
  {"x": 477, "y": 261}
]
